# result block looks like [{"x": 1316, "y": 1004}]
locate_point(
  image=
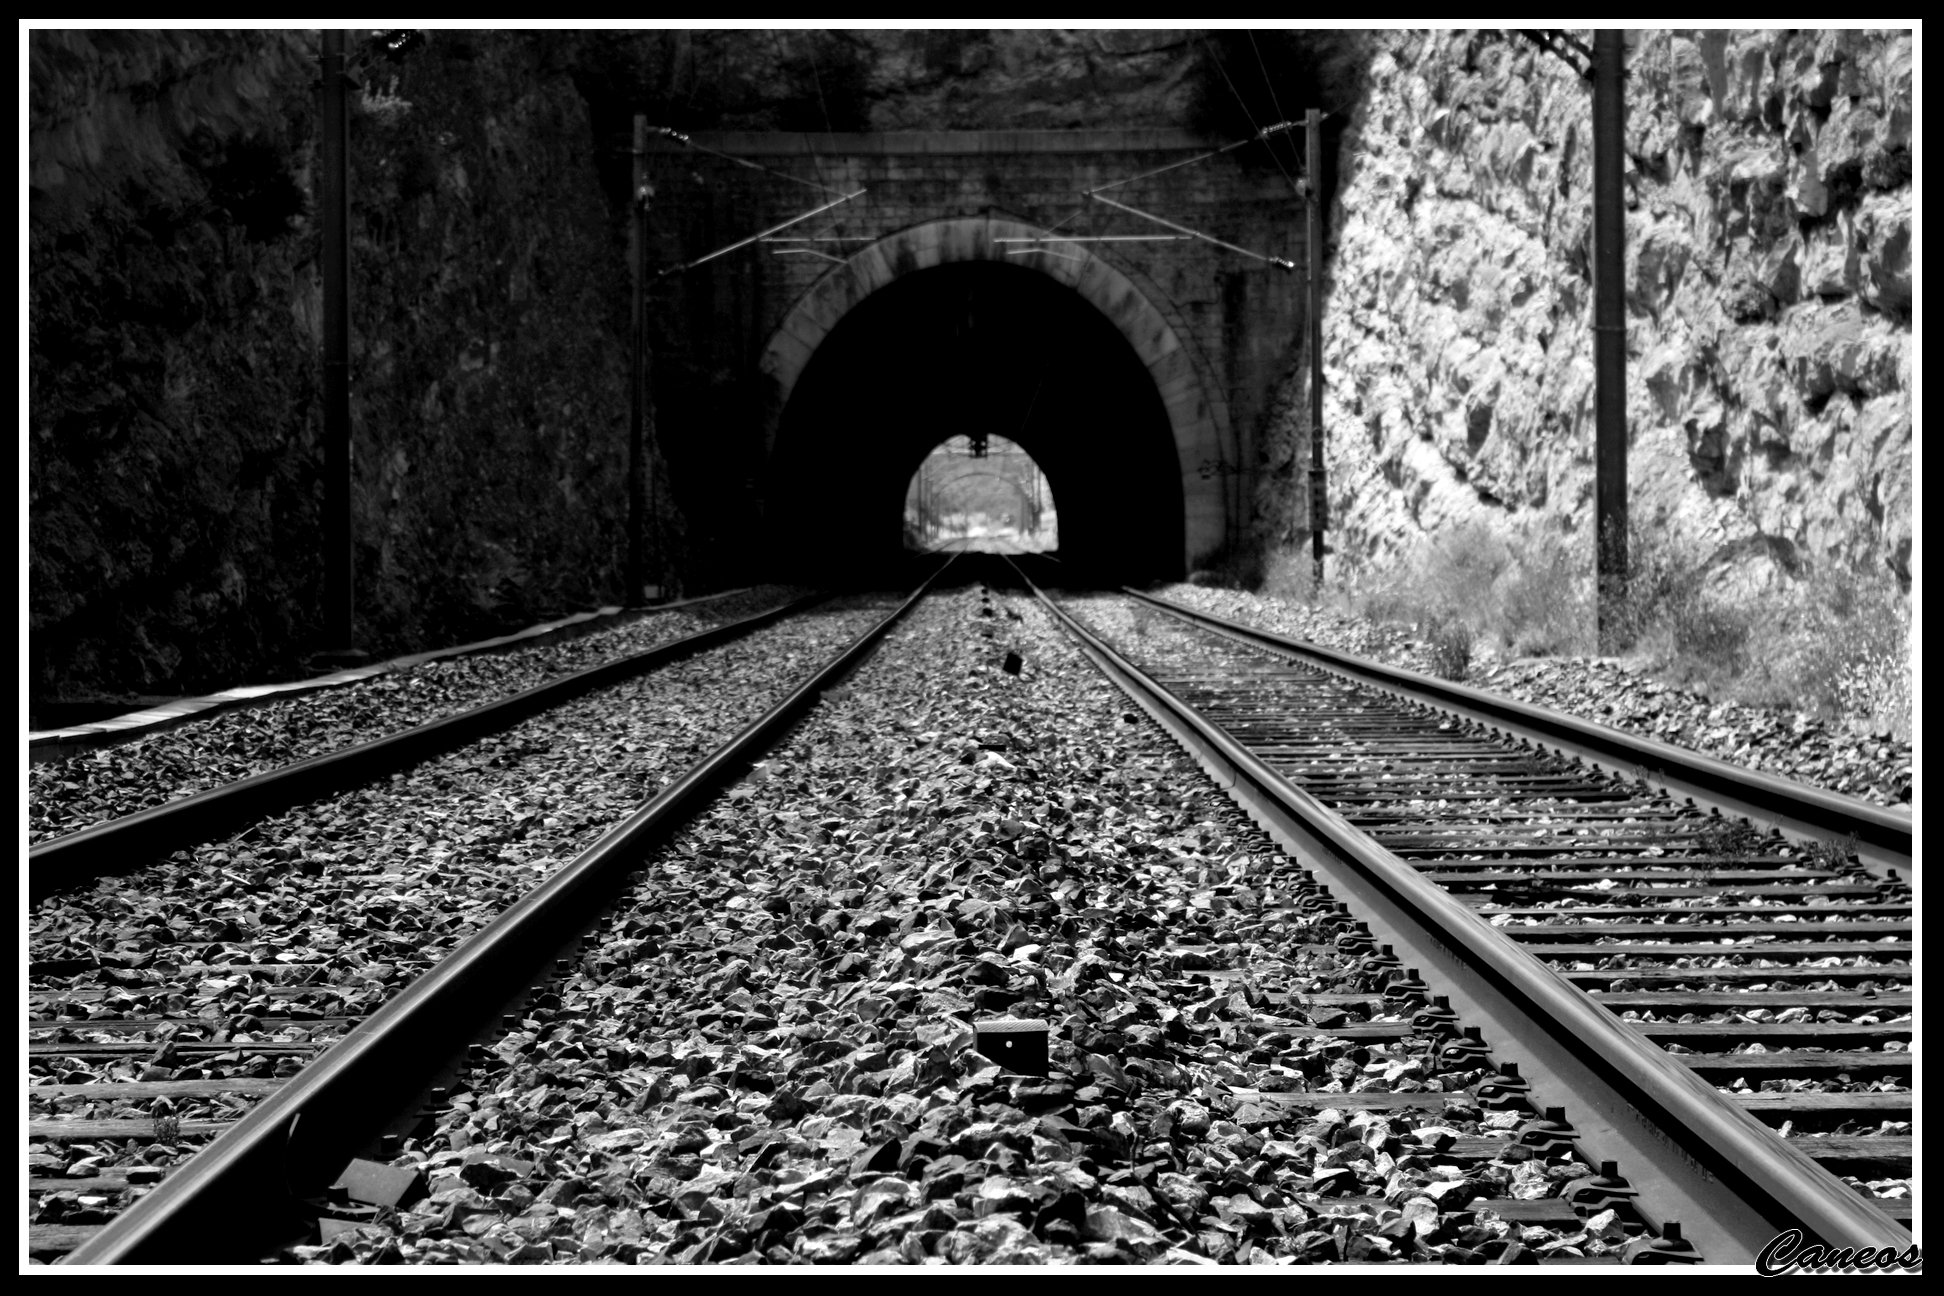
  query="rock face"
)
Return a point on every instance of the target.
[
  {"x": 884, "y": 80},
  {"x": 168, "y": 453},
  {"x": 1029, "y": 80},
  {"x": 175, "y": 316},
  {"x": 490, "y": 343},
  {"x": 1768, "y": 298}
]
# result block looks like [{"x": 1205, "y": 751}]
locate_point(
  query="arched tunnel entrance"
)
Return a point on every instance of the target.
[{"x": 976, "y": 349}]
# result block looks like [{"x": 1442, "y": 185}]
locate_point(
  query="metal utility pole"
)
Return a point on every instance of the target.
[
  {"x": 334, "y": 261},
  {"x": 1313, "y": 191},
  {"x": 1609, "y": 335},
  {"x": 637, "y": 568}
]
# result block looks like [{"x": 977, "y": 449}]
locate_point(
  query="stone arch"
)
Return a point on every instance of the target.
[{"x": 1197, "y": 421}]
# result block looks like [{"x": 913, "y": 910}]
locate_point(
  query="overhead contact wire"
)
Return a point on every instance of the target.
[
  {"x": 1176, "y": 166},
  {"x": 1282, "y": 263},
  {"x": 760, "y": 235}
]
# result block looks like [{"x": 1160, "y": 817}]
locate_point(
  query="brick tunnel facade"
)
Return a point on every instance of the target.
[{"x": 799, "y": 381}]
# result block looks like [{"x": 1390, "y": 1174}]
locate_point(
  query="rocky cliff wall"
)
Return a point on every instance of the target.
[
  {"x": 174, "y": 317},
  {"x": 883, "y": 80},
  {"x": 489, "y": 342},
  {"x": 1768, "y": 186},
  {"x": 168, "y": 447}
]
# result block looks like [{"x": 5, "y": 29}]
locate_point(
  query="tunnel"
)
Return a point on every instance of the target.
[{"x": 976, "y": 349}]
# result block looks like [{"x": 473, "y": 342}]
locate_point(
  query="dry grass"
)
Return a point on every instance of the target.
[
  {"x": 1835, "y": 643},
  {"x": 1469, "y": 593},
  {"x": 1840, "y": 646}
]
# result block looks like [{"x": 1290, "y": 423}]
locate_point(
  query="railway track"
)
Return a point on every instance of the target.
[
  {"x": 1658, "y": 918},
  {"x": 391, "y": 1072},
  {"x": 123, "y": 842},
  {"x": 144, "y": 1053}
]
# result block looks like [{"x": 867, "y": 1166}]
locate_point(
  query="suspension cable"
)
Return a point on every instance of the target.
[
  {"x": 757, "y": 238},
  {"x": 669, "y": 132},
  {"x": 1262, "y": 134}
]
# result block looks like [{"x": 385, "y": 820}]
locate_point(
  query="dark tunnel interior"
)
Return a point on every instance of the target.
[{"x": 965, "y": 349}]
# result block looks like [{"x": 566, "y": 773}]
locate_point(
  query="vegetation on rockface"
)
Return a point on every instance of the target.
[
  {"x": 490, "y": 332},
  {"x": 169, "y": 449},
  {"x": 174, "y": 317}
]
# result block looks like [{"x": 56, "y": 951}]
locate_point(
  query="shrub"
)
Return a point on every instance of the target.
[
  {"x": 1544, "y": 602},
  {"x": 1724, "y": 838},
  {"x": 1663, "y": 587},
  {"x": 1835, "y": 642},
  {"x": 1711, "y": 629},
  {"x": 1460, "y": 570},
  {"x": 1450, "y": 645},
  {"x": 1840, "y": 646},
  {"x": 1290, "y": 574}
]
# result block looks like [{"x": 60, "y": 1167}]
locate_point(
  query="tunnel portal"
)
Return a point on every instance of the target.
[{"x": 976, "y": 349}]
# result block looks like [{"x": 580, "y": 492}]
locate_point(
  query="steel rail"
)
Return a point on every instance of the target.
[
  {"x": 246, "y": 1184},
  {"x": 1882, "y": 837},
  {"x": 1697, "y": 1158},
  {"x": 133, "y": 840}
]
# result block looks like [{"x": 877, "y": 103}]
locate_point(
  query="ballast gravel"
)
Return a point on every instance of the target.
[
  {"x": 91, "y": 787},
  {"x": 764, "y": 1053},
  {"x": 1794, "y": 744},
  {"x": 288, "y": 933}
]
